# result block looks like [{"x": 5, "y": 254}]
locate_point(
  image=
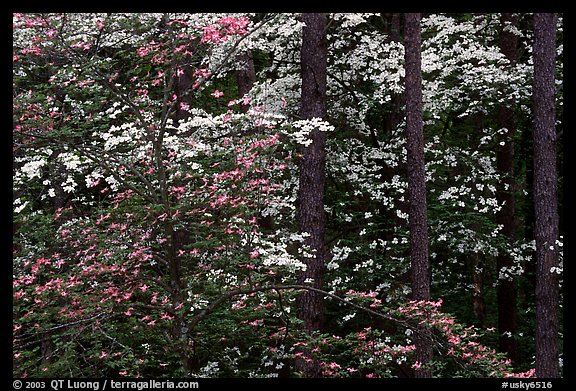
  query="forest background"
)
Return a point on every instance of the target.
[{"x": 228, "y": 195}]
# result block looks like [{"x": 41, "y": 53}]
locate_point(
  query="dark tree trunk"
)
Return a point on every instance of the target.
[
  {"x": 478, "y": 301},
  {"x": 545, "y": 197},
  {"x": 311, "y": 216},
  {"x": 418, "y": 221},
  {"x": 245, "y": 75},
  {"x": 506, "y": 291},
  {"x": 395, "y": 21},
  {"x": 528, "y": 284},
  {"x": 395, "y": 115},
  {"x": 477, "y": 259}
]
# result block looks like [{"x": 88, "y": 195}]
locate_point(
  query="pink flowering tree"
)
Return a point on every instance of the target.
[
  {"x": 150, "y": 207},
  {"x": 386, "y": 347}
]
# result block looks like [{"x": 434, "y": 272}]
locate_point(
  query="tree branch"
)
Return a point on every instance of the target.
[{"x": 236, "y": 292}]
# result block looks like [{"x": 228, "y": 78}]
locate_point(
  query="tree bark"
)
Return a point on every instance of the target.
[
  {"x": 478, "y": 301},
  {"x": 545, "y": 197},
  {"x": 506, "y": 216},
  {"x": 395, "y": 114},
  {"x": 311, "y": 215},
  {"x": 418, "y": 221},
  {"x": 245, "y": 76}
]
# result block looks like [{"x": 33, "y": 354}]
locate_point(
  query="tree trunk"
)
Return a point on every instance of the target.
[
  {"x": 418, "y": 221},
  {"x": 245, "y": 76},
  {"x": 528, "y": 283},
  {"x": 395, "y": 115},
  {"x": 478, "y": 302},
  {"x": 311, "y": 216},
  {"x": 545, "y": 197},
  {"x": 506, "y": 291}
]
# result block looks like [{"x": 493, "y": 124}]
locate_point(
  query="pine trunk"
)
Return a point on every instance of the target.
[
  {"x": 506, "y": 291},
  {"x": 417, "y": 185},
  {"x": 545, "y": 197},
  {"x": 311, "y": 216},
  {"x": 245, "y": 75}
]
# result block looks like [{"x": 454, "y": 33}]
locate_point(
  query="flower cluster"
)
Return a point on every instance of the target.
[{"x": 224, "y": 27}]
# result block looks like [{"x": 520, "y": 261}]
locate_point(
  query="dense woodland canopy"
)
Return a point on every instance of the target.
[{"x": 287, "y": 195}]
